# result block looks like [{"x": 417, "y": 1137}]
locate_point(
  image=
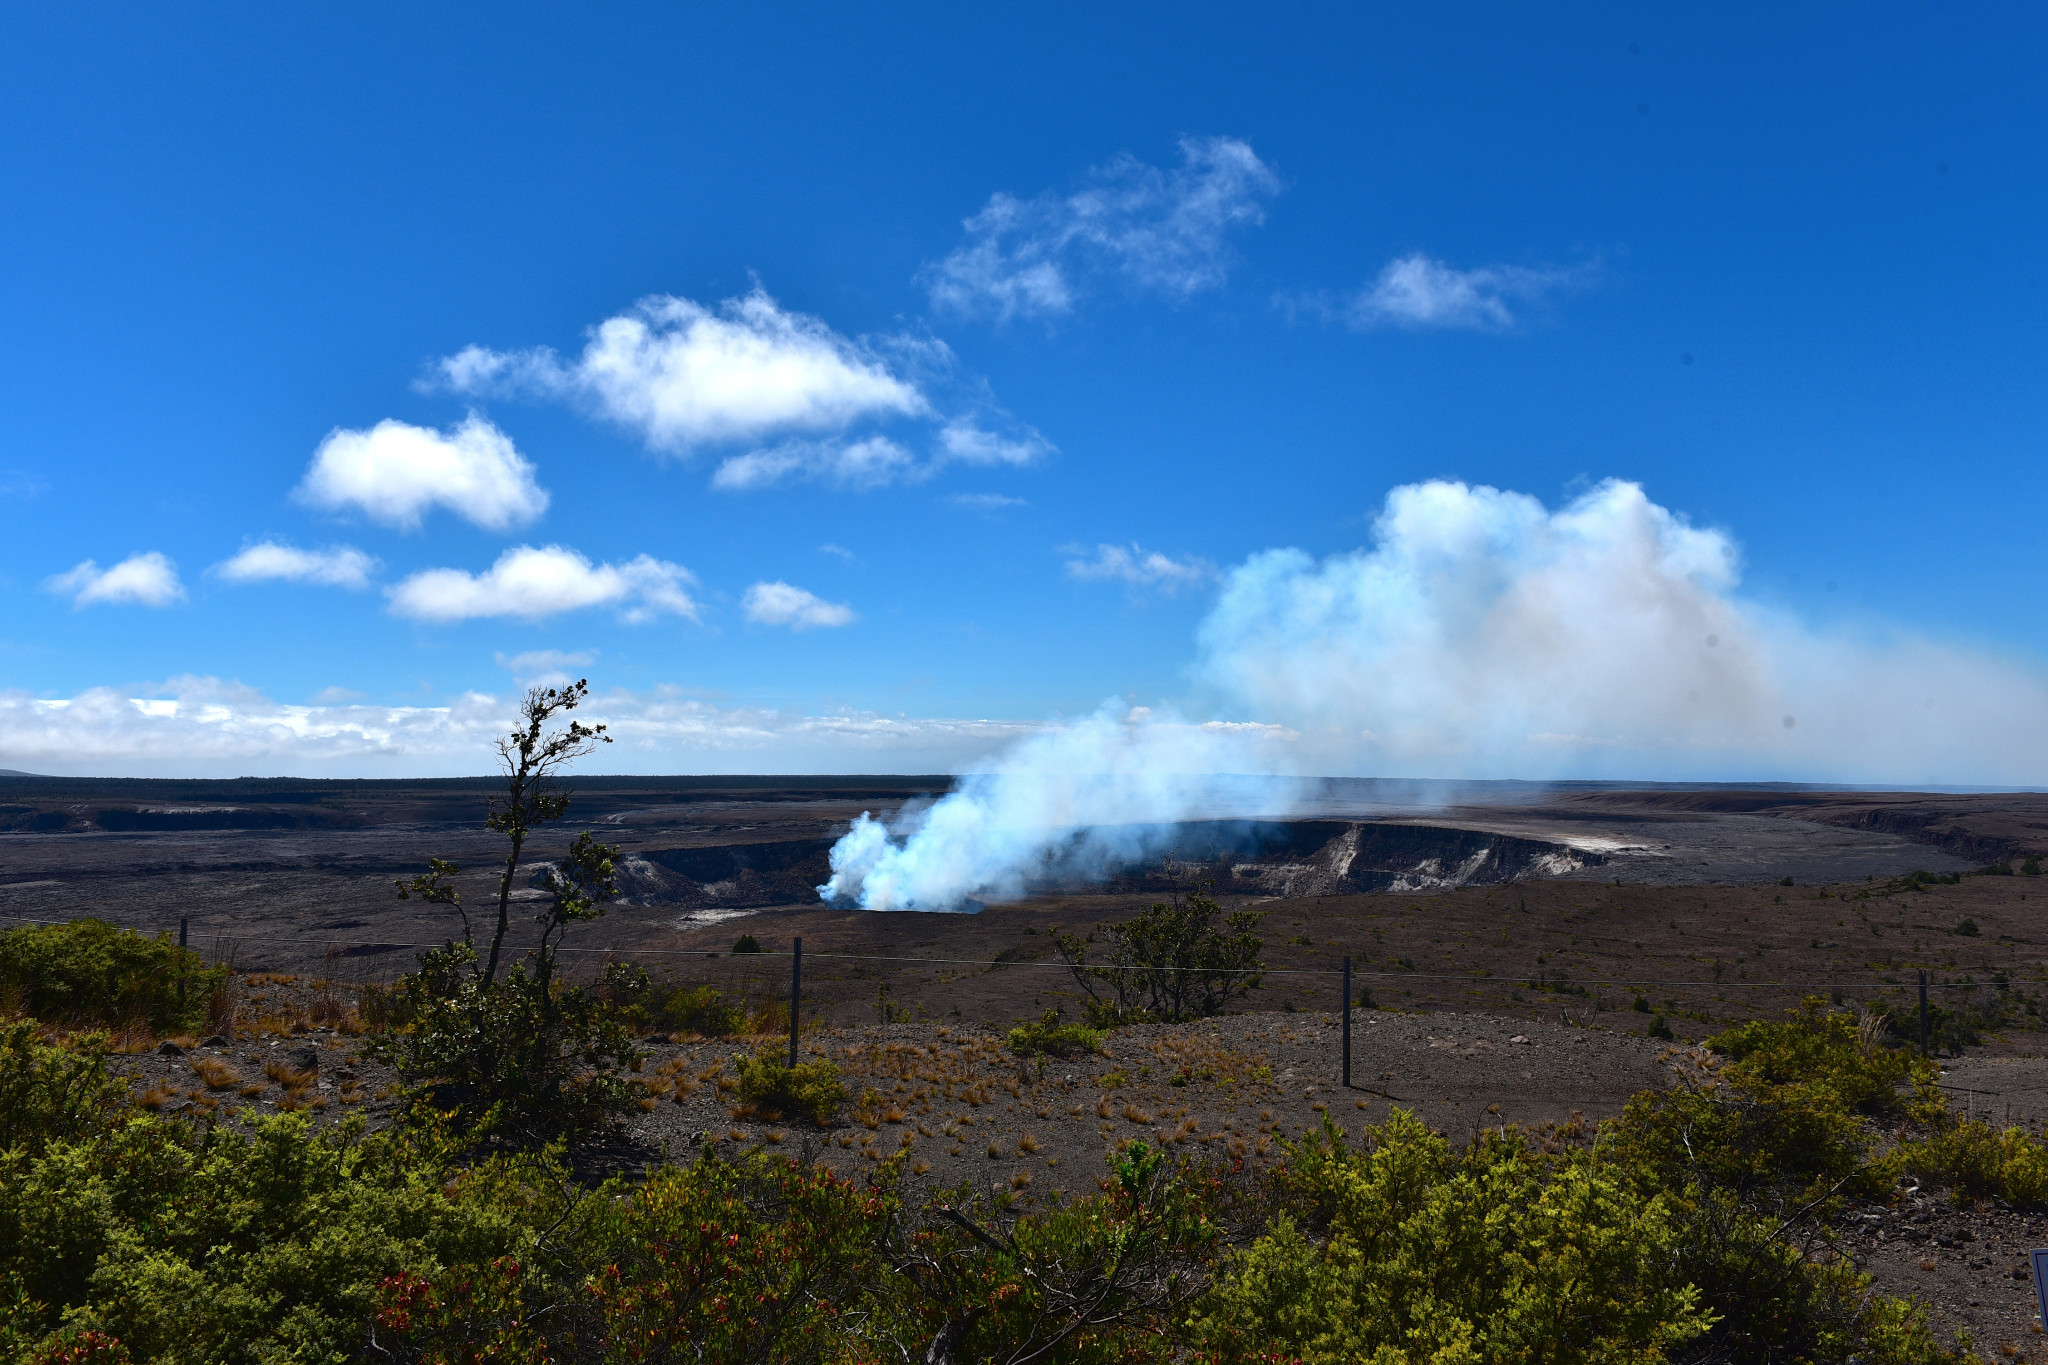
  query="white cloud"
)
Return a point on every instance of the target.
[
  {"x": 1160, "y": 230},
  {"x": 1417, "y": 292},
  {"x": 1136, "y": 567},
  {"x": 546, "y": 667},
  {"x": 207, "y": 727},
  {"x": 966, "y": 443},
  {"x": 872, "y": 463},
  {"x": 531, "y": 582},
  {"x": 1485, "y": 635},
  {"x": 394, "y": 473},
  {"x": 342, "y": 566},
  {"x": 875, "y": 462},
  {"x": 986, "y": 502},
  {"x": 544, "y": 661},
  {"x": 783, "y": 604},
  {"x": 148, "y": 580},
  {"x": 682, "y": 375},
  {"x": 19, "y": 483},
  {"x": 838, "y": 552}
]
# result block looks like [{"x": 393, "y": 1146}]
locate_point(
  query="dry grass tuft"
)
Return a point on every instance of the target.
[
  {"x": 217, "y": 1074},
  {"x": 1027, "y": 1143}
]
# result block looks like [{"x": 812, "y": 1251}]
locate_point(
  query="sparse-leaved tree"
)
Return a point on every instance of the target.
[
  {"x": 1169, "y": 964},
  {"x": 520, "y": 1053}
]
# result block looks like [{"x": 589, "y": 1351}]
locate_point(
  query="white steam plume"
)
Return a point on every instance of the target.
[
  {"x": 1482, "y": 635},
  {"x": 1080, "y": 799}
]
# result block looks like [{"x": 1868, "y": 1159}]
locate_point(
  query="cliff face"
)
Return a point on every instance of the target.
[
  {"x": 1244, "y": 857},
  {"x": 1331, "y": 857}
]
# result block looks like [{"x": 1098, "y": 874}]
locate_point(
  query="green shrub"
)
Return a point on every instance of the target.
[
  {"x": 522, "y": 1058},
  {"x": 746, "y": 943},
  {"x": 699, "y": 1009},
  {"x": 1168, "y": 964},
  {"x": 51, "y": 1094},
  {"x": 811, "y": 1088},
  {"x": 1403, "y": 1250},
  {"x": 1048, "y": 1037},
  {"x": 89, "y": 972},
  {"x": 1975, "y": 1160}
]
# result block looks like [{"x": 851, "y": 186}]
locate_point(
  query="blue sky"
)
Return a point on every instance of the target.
[{"x": 1018, "y": 334}]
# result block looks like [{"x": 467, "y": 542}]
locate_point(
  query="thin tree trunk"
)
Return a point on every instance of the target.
[{"x": 504, "y": 908}]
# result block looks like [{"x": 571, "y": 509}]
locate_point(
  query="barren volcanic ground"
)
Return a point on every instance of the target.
[{"x": 1518, "y": 942}]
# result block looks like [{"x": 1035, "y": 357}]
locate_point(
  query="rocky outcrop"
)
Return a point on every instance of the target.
[{"x": 1337, "y": 857}]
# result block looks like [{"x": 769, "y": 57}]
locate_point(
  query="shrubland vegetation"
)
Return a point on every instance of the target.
[{"x": 1694, "y": 1226}]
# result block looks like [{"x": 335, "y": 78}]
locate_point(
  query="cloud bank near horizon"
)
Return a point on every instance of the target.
[{"x": 208, "y": 727}]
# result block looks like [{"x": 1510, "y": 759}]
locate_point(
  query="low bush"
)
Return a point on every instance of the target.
[
  {"x": 1048, "y": 1037},
  {"x": 51, "y": 1094},
  {"x": 811, "y": 1089},
  {"x": 1402, "y": 1249},
  {"x": 91, "y": 973},
  {"x": 522, "y": 1059}
]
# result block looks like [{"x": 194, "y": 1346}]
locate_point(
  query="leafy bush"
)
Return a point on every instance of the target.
[
  {"x": 1169, "y": 964},
  {"x": 522, "y": 1058},
  {"x": 746, "y": 943},
  {"x": 1976, "y": 1160},
  {"x": 1406, "y": 1250},
  {"x": 700, "y": 1009},
  {"x": 89, "y": 972},
  {"x": 1048, "y": 1037},
  {"x": 811, "y": 1088},
  {"x": 190, "y": 1244},
  {"x": 51, "y": 1094}
]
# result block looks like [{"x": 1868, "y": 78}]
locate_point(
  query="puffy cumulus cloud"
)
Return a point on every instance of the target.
[
  {"x": 1485, "y": 635},
  {"x": 784, "y": 604},
  {"x": 1164, "y": 231},
  {"x": 1136, "y": 567},
  {"x": 1418, "y": 292},
  {"x": 749, "y": 373},
  {"x": 681, "y": 374},
  {"x": 532, "y": 582},
  {"x": 342, "y": 566},
  {"x": 205, "y": 727},
  {"x": 395, "y": 473},
  {"x": 146, "y": 580}
]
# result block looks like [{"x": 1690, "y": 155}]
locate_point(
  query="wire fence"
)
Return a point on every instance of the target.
[{"x": 1848, "y": 977}]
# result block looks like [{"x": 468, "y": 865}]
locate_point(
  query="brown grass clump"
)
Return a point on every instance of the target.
[
  {"x": 1136, "y": 1115},
  {"x": 156, "y": 1097},
  {"x": 995, "y": 1149},
  {"x": 217, "y": 1074},
  {"x": 1020, "y": 1180},
  {"x": 1027, "y": 1143},
  {"x": 291, "y": 1078},
  {"x": 1104, "y": 1109}
]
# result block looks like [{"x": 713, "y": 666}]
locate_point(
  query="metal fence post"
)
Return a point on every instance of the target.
[
  {"x": 1923, "y": 1015},
  {"x": 1347, "y": 1023},
  {"x": 796, "y": 987}
]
